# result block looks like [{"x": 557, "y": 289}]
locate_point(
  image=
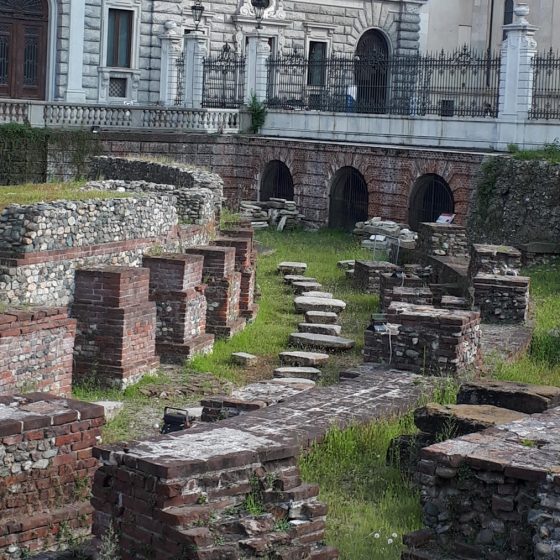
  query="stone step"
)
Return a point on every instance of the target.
[
  {"x": 317, "y": 294},
  {"x": 291, "y": 278},
  {"x": 294, "y": 372},
  {"x": 319, "y": 328},
  {"x": 321, "y": 341},
  {"x": 296, "y": 382},
  {"x": 289, "y": 267},
  {"x": 522, "y": 397},
  {"x": 296, "y": 358},
  {"x": 306, "y": 286},
  {"x": 454, "y": 420},
  {"x": 321, "y": 317},
  {"x": 303, "y": 304},
  {"x": 243, "y": 358}
]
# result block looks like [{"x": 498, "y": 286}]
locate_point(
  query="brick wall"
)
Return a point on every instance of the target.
[
  {"x": 390, "y": 173},
  {"x": 36, "y": 350},
  {"x": 46, "y": 468},
  {"x": 502, "y": 299},
  {"x": 442, "y": 240},
  {"x": 116, "y": 325},
  {"x": 176, "y": 288}
]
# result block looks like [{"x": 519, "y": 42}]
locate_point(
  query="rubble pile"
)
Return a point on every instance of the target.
[
  {"x": 277, "y": 213},
  {"x": 380, "y": 234}
]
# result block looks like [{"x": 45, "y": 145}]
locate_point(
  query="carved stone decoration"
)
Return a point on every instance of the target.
[{"x": 274, "y": 11}]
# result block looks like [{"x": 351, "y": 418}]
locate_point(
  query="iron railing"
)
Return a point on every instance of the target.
[
  {"x": 180, "y": 77},
  {"x": 224, "y": 80},
  {"x": 462, "y": 83},
  {"x": 546, "y": 86}
]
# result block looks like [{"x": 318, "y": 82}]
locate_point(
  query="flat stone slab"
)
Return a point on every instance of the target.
[
  {"x": 454, "y": 420},
  {"x": 291, "y": 278},
  {"x": 319, "y": 328},
  {"x": 268, "y": 393},
  {"x": 303, "y": 358},
  {"x": 317, "y": 294},
  {"x": 321, "y": 341},
  {"x": 293, "y": 381},
  {"x": 288, "y": 267},
  {"x": 321, "y": 317},
  {"x": 243, "y": 358},
  {"x": 521, "y": 397},
  {"x": 305, "y": 286},
  {"x": 303, "y": 304},
  {"x": 112, "y": 408},
  {"x": 298, "y": 372}
]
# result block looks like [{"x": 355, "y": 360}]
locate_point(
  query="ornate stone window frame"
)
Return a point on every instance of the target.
[{"x": 131, "y": 74}]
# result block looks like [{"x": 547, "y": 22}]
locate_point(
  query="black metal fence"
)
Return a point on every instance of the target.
[
  {"x": 462, "y": 83},
  {"x": 224, "y": 80},
  {"x": 546, "y": 86}
]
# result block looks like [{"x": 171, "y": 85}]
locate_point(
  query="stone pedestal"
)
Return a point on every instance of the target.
[
  {"x": 176, "y": 288},
  {"x": 388, "y": 281},
  {"x": 116, "y": 330},
  {"x": 367, "y": 275},
  {"x": 501, "y": 299},
  {"x": 442, "y": 240}
]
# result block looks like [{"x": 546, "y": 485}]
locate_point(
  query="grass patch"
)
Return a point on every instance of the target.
[
  {"x": 542, "y": 364},
  {"x": 550, "y": 153},
  {"x": 371, "y": 504},
  {"x": 32, "y": 193},
  {"x": 268, "y": 335}
]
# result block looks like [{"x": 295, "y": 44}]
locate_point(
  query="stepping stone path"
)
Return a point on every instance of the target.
[
  {"x": 321, "y": 341},
  {"x": 324, "y": 295},
  {"x": 291, "y": 278},
  {"x": 298, "y": 372},
  {"x": 301, "y": 287},
  {"x": 298, "y": 358},
  {"x": 304, "y": 304},
  {"x": 319, "y": 328},
  {"x": 243, "y": 358},
  {"x": 322, "y": 317},
  {"x": 288, "y": 267}
]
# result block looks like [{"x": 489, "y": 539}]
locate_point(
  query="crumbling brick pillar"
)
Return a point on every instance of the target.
[
  {"x": 390, "y": 280},
  {"x": 223, "y": 290},
  {"x": 367, "y": 275},
  {"x": 176, "y": 288},
  {"x": 36, "y": 348},
  {"x": 243, "y": 264},
  {"x": 46, "y": 471},
  {"x": 502, "y": 299},
  {"x": 116, "y": 332}
]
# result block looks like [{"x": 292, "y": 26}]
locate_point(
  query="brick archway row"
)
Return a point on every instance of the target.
[{"x": 390, "y": 173}]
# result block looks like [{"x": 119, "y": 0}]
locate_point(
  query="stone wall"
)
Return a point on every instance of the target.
[
  {"x": 182, "y": 177},
  {"x": 502, "y": 299},
  {"x": 388, "y": 281},
  {"x": 492, "y": 494},
  {"x": 36, "y": 350},
  {"x": 442, "y": 240},
  {"x": 390, "y": 173},
  {"x": 516, "y": 202},
  {"x": 367, "y": 275},
  {"x": 424, "y": 339},
  {"x": 46, "y": 468},
  {"x": 494, "y": 259}
]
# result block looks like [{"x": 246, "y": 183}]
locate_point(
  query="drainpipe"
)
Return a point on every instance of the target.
[{"x": 489, "y": 49}]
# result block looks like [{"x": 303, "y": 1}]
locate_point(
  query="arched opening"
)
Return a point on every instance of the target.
[
  {"x": 430, "y": 197},
  {"x": 371, "y": 72},
  {"x": 23, "y": 48},
  {"x": 348, "y": 199},
  {"x": 276, "y": 182}
]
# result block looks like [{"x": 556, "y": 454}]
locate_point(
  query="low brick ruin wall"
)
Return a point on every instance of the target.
[
  {"x": 502, "y": 299},
  {"x": 442, "y": 240},
  {"x": 46, "y": 469},
  {"x": 367, "y": 275},
  {"x": 388, "y": 281},
  {"x": 424, "y": 339},
  {"x": 213, "y": 492},
  {"x": 493, "y": 494},
  {"x": 494, "y": 259},
  {"x": 36, "y": 350}
]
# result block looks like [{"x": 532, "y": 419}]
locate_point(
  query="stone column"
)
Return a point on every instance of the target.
[
  {"x": 258, "y": 51},
  {"x": 195, "y": 51},
  {"x": 75, "y": 92},
  {"x": 516, "y": 78},
  {"x": 171, "y": 48}
]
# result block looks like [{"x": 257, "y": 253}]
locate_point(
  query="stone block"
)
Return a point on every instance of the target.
[
  {"x": 296, "y": 358},
  {"x": 320, "y": 328},
  {"x": 243, "y": 359},
  {"x": 304, "y": 304},
  {"x": 288, "y": 267},
  {"x": 321, "y": 341},
  {"x": 323, "y": 317}
]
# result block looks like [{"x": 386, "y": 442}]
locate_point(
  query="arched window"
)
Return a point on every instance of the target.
[
  {"x": 430, "y": 197},
  {"x": 371, "y": 72},
  {"x": 508, "y": 14},
  {"x": 348, "y": 199},
  {"x": 276, "y": 182},
  {"x": 23, "y": 48}
]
